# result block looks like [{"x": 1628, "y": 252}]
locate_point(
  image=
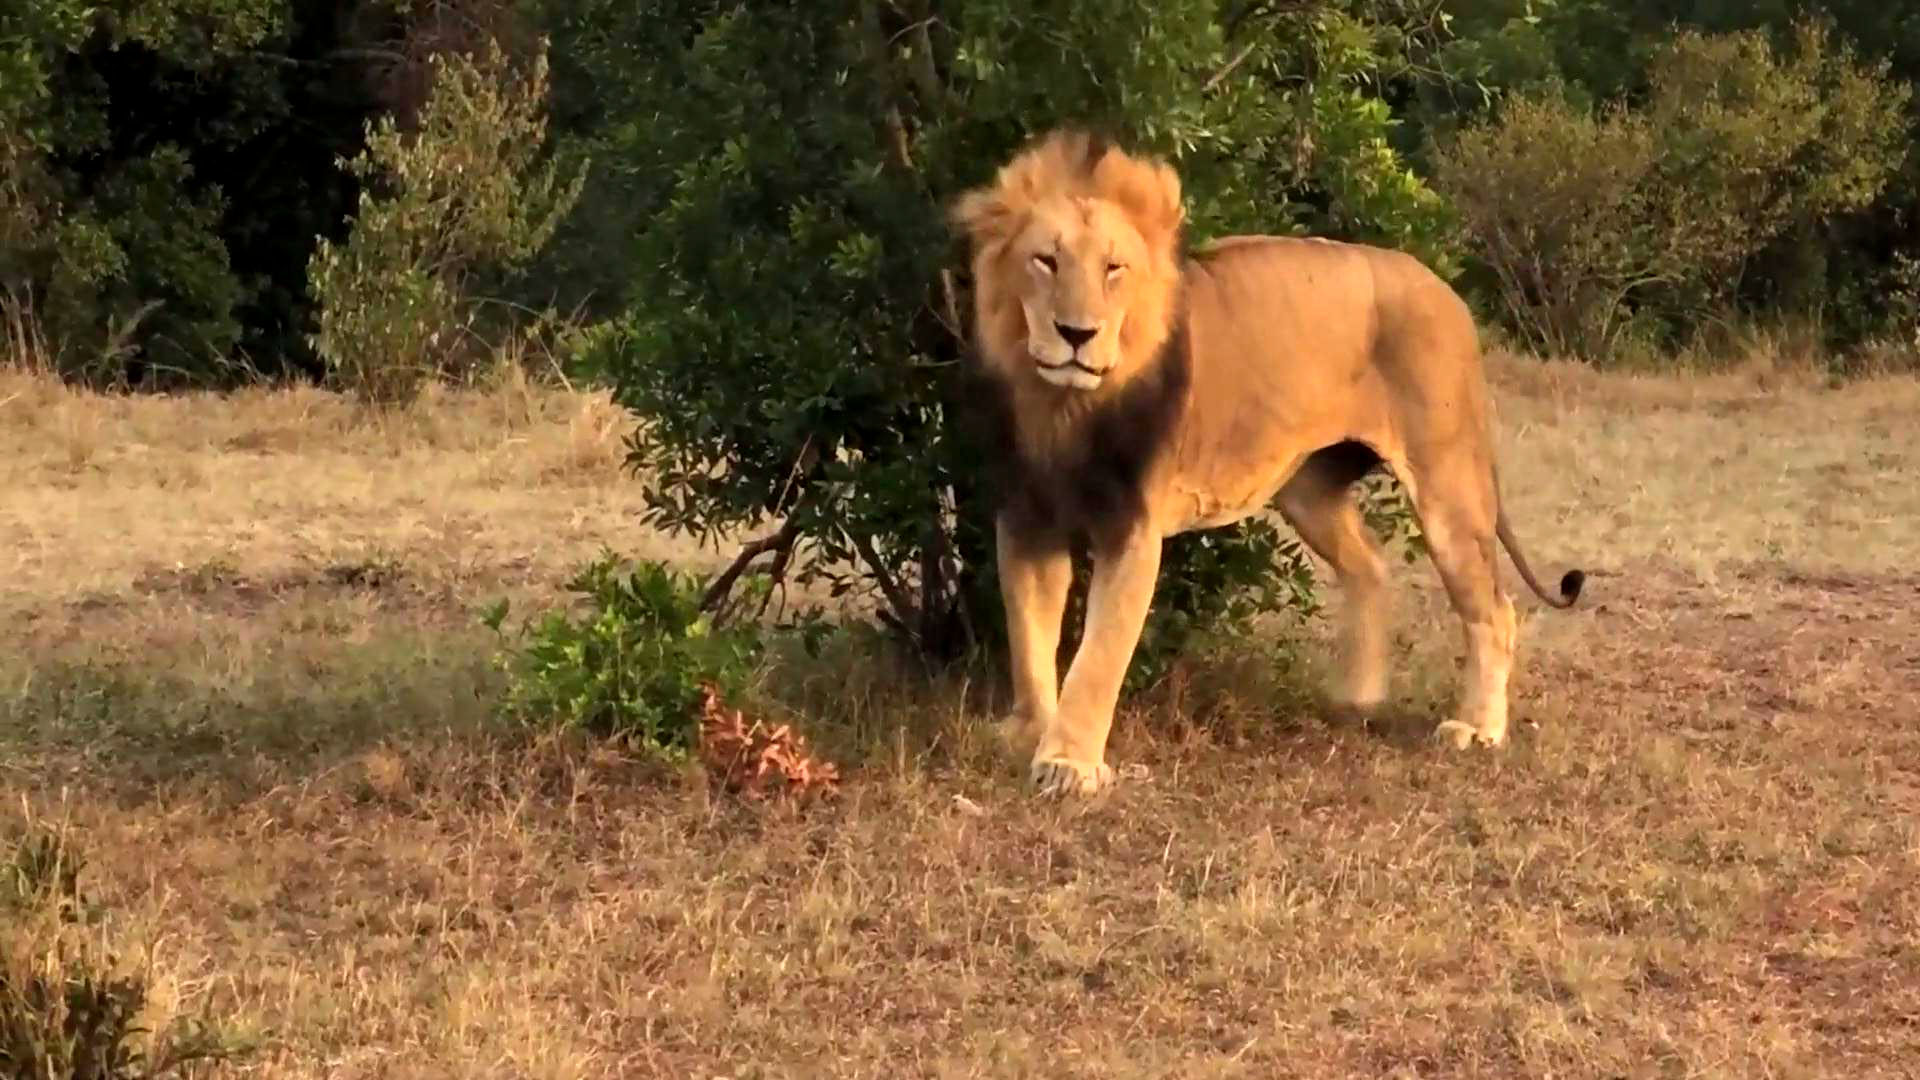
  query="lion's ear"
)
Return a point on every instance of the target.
[
  {"x": 1148, "y": 190},
  {"x": 983, "y": 214},
  {"x": 1169, "y": 214}
]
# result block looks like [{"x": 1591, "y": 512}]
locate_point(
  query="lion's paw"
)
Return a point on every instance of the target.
[
  {"x": 1055, "y": 777},
  {"x": 1462, "y": 735}
]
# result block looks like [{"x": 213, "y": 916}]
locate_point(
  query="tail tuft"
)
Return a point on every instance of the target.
[{"x": 1570, "y": 584}]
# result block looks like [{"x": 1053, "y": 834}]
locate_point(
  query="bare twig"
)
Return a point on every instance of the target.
[
  {"x": 780, "y": 542},
  {"x": 952, "y": 500},
  {"x": 926, "y": 77},
  {"x": 1238, "y": 58},
  {"x": 889, "y": 586},
  {"x": 933, "y": 571},
  {"x": 803, "y": 463},
  {"x": 777, "y": 579},
  {"x": 950, "y": 301}
]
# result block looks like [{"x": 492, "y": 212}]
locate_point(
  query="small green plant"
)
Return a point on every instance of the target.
[
  {"x": 66, "y": 1011},
  {"x": 632, "y": 663},
  {"x": 1389, "y": 513}
]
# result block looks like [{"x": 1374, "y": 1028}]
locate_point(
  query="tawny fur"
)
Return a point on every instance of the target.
[{"x": 1148, "y": 392}]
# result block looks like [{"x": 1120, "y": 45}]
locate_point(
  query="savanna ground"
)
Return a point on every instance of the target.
[{"x": 244, "y": 670}]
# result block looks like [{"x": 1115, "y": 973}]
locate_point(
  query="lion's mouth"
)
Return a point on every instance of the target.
[
  {"x": 1073, "y": 364},
  {"x": 1070, "y": 375}
]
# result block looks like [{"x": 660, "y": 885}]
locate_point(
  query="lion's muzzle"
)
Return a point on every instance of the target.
[{"x": 1073, "y": 374}]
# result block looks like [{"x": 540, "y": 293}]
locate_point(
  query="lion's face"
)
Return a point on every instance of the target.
[
  {"x": 1074, "y": 260},
  {"x": 1074, "y": 263}
]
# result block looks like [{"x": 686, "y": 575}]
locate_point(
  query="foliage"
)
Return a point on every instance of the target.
[
  {"x": 1595, "y": 219},
  {"x": 100, "y": 254},
  {"x": 633, "y": 663},
  {"x": 1558, "y": 201},
  {"x": 159, "y": 165},
  {"x": 167, "y": 168},
  {"x": 791, "y": 339},
  {"x": 463, "y": 192},
  {"x": 1832, "y": 269},
  {"x": 1220, "y": 589},
  {"x": 66, "y": 1012}
]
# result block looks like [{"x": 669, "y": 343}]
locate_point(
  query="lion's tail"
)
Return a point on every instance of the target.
[{"x": 1570, "y": 582}]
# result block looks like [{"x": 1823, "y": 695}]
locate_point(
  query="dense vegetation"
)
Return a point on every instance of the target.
[{"x": 737, "y": 209}]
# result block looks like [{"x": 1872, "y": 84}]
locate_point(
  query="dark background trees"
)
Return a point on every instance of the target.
[{"x": 167, "y": 168}]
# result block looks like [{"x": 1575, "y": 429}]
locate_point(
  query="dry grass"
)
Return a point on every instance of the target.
[
  {"x": 1711, "y": 472},
  {"x": 112, "y": 499},
  {"x": 245, "y": 671}
]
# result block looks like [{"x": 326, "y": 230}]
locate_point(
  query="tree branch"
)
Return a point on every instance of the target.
[
  {"x": 897, "y": 139},
  {"x": 781, "y": 542},
  {"x": 933, "y": 569},
  {"x": 777, "y": 579},
  {"x": 950, "y": 315},
  {"x": 926, "y": 77},
  {"x": 889, "y": 587},
  {"x": 1218, "y": 76},
  {"x": 873, "y": 42}
]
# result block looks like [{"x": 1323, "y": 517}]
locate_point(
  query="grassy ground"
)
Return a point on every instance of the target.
[{"x": 242, "y": 665}]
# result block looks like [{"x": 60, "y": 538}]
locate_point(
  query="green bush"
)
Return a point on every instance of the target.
[
  {"x": 464, "y": 192},
  {"x": 632, "y": 662},
  {"x": 1599, "y": 222},
  {"x": 793, "y": 337}
]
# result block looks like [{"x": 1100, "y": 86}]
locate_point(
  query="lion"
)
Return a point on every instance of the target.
[{"x": 1147, "y": 391}]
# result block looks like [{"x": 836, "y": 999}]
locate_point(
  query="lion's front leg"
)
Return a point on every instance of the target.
[
  {"x": 1071, "y": 756},
  {"x": 1036, "y": 571}
]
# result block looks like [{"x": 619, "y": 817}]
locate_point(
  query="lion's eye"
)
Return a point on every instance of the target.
[
  {"x": 1046, "y": 263},
  {"x": 1114, "y": 268}
]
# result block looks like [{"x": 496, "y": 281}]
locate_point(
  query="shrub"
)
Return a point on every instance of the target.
[
  {"x": 1594, "y": 220},
  {"x": 1558, "y": 201},
  {"x": 464, "y": 192},
  {"x": 633, "y": 662},
  {"x": 794, "y": 337}
]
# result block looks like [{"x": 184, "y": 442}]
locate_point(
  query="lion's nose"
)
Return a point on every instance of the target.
[{"x": 1076, "y": 336}]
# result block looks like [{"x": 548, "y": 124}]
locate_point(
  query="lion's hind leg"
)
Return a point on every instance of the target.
[
  {"x": 1454, "y": 499},
  {"x": 1320, "y": 504}
]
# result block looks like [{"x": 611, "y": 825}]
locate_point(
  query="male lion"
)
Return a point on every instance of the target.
[{"x": 1149, "y": 392}]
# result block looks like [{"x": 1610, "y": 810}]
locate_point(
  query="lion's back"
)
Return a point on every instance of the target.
[{"x": 1321, "y": 283}]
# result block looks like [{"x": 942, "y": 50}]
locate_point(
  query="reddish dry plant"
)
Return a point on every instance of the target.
[{"x": 752, "y": 761}]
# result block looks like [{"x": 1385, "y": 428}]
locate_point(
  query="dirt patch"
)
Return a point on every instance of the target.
[
  {"x": 219, "y": 585},
  {"x": 386, "y": 588}
]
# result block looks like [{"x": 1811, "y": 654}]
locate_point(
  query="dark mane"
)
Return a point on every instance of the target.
[{"x": 1093, "y": 486}]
